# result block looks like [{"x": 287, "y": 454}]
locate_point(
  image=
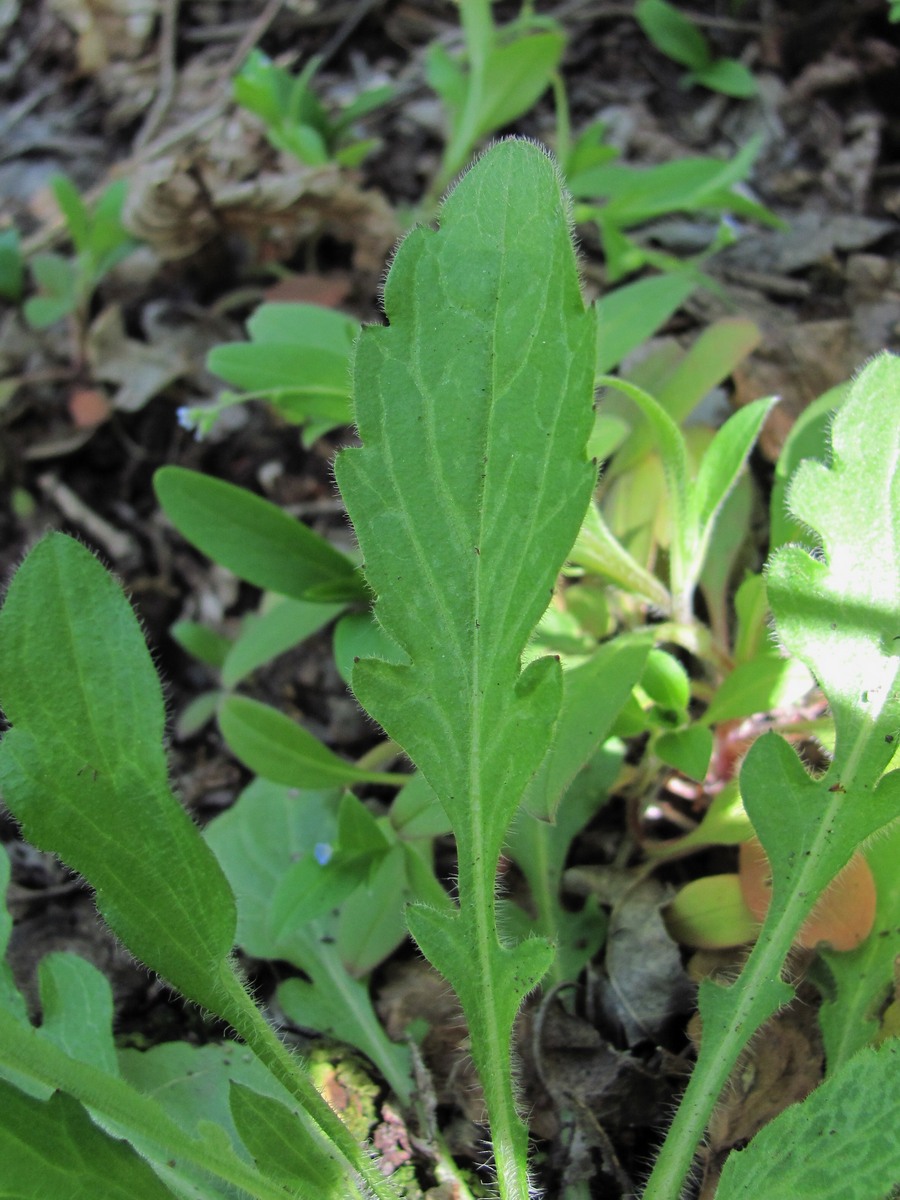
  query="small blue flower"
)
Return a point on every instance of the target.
[{"x": 322, "y": 852}]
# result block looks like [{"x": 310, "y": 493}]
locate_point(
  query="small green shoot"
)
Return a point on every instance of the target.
[
  {"x": 502, "y": 73},
  {"x": 296, "y": 120},
  {"x": 66, "y": 285},
  {"x": 676, "y": 36}
]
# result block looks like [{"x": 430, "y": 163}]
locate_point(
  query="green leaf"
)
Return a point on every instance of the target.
[
  {"x": 593, "y": 694},
  {"x": 108, "y": 241},
  {"x": 282, "y": 1147},
  {"x": 416, "y": 811},
  {"x": 77, "y": 1007},
  {"x": 202, "y": 642},
  {"x": 253, "y": 538},
  {"x": 474, "y": 406},
  {"x": 687, "y": 750},
  {"x": 358, "y": 635},
  {"x": 305, "y": 326},
  {"x": 673, "y": 34},
  {"x": 863, "y": 979},
  {"x": 445, "y": 75},
  {"x": 52, "y": 1148},
  {"x": 277, "y": 748},
  {"x": 261, "y": 87},
  {"x": 257, "y": 841},
  {"x": 516, "y": 76},
  {"x": 28, "y": 1055},
  {"x": 540, "y": 850},
  {"x": 757, "y": 686},
  {"x": 266, "y": 635},
  {"x": 808, "y": 439},
  {"x": 84, "y": 771},
  {"x": 627, "y": 316},
  {"x": 835, "y": 1145},
  {"x": 710, "y": 913},
  {"x": 372, "y": 923},
  {"x": 840, "y": 616},
  {"x": 74, "y": 211},
  {"x": 637, "y": 194},
  {"x": 12, "y": 265},
  {"x": 723, "y": 461},
  {"x": 728, "y": 76},
  {"x": 57, "y": 280},
  {"x": 711, "y": 359}
]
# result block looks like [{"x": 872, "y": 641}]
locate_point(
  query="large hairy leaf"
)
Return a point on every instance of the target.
[{"x": 474, "y": 408}]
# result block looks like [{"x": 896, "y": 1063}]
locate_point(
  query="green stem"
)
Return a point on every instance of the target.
[
  {"x": 492, "y": 1052},
  {"x": 752, "y": 1001},
  {"x": 673, "y": 453},
  {"x": 478, "y": 31},
  {"x": 247, "y": 1020}
]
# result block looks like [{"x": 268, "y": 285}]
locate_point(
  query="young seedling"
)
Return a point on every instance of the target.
[
  {"x": 672, "y": 33},
  {"x": 505, "y": 70},
  {"x": 66, "y": 285},
  {"x": 295, "y": 118}
]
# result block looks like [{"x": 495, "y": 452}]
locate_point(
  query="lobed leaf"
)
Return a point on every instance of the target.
[
  {"x": 474, "y": 407},
  {"x": 837, "y": 1144},
  {"x": 839, "y": 614}
]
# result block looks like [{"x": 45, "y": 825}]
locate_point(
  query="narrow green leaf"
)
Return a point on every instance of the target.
[
  {"x": 837, "y": 1144},
  {"x": 709, "y": 361},
  {"x": 12, "y": 265},
  {"x": 722, "y": 462},
  {"x": 73, "y": 209},
  {"x": 253, "y": 538},
  {"x": 265, "y": 635},
  {"x": 277, "y": 748},
  {"x": 637, "y": 194},
  {"x": 757, "y": 686},
  {"x": 628, "y": 315},
  {"x": 474, "y": 407},
  {"x": 201, "y": 641},
  {"x": 84, "y": 770}
]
